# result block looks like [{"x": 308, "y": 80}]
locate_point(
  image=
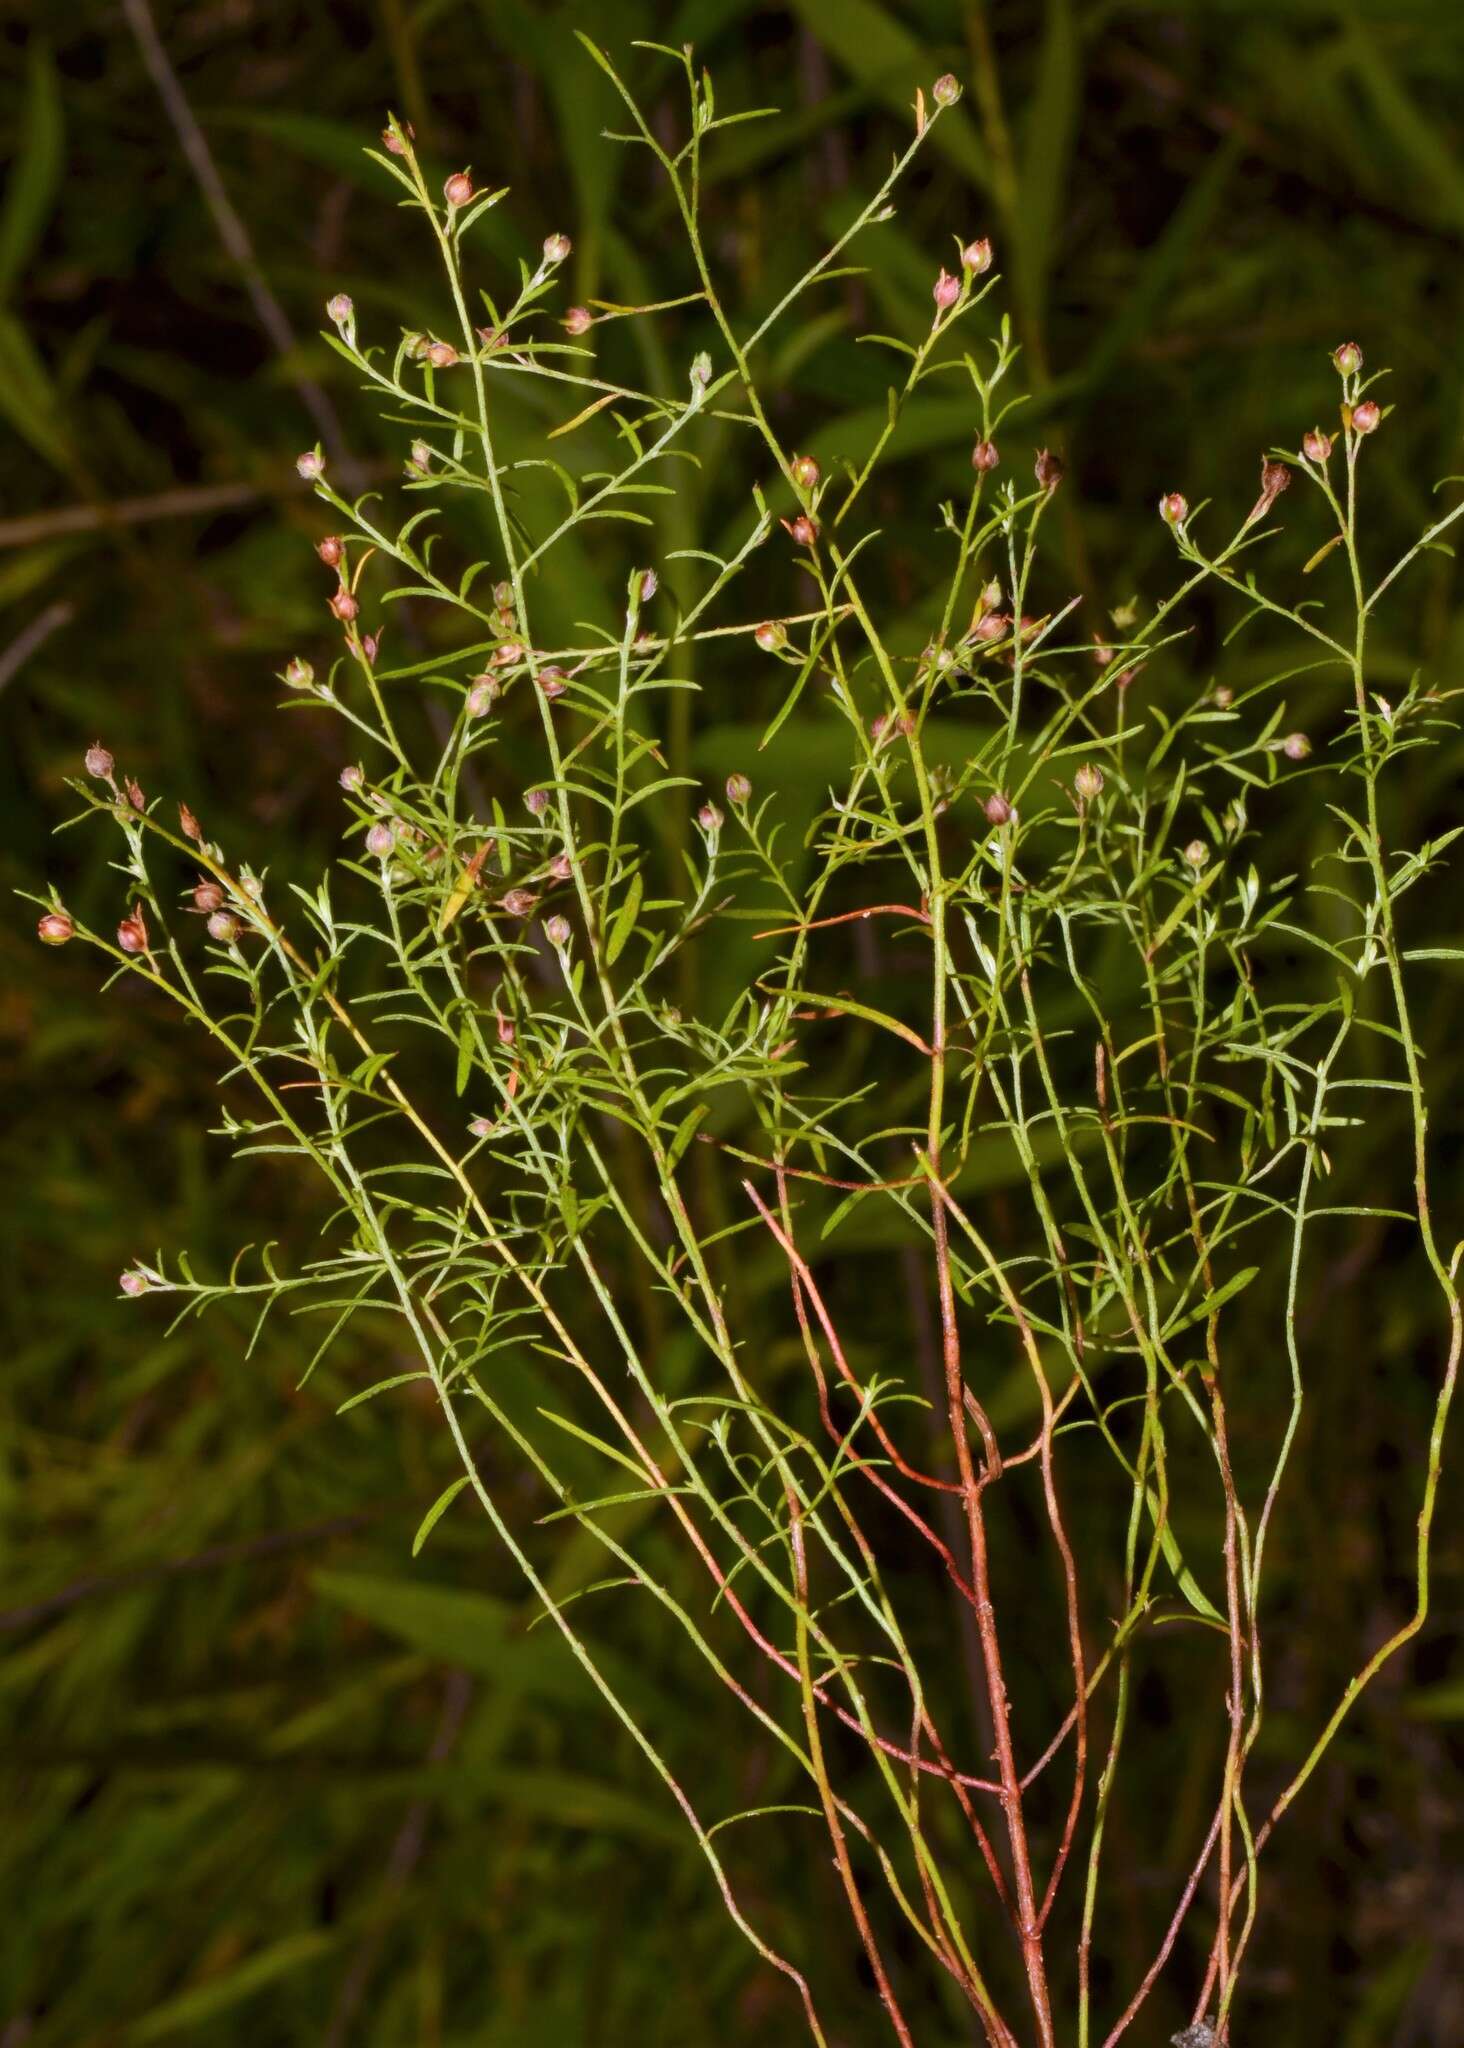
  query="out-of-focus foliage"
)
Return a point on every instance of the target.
[{"x": 266, "y": 1779}]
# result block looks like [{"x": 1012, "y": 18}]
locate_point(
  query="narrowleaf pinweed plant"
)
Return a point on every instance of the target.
[{"x": 600, "y": 1070}]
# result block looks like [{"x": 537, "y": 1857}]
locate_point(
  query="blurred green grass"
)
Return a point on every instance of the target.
[{"x": 225, "y": 1683}]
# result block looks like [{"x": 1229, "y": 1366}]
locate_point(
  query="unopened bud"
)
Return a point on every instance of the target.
[
  {"x": 553, "y": 682},
  {"x": 1296, "y": 746},
  {"x": 771, "y": 636},
  {"x": 352, "y": 778},
  {"x": 134, "y": 794},
  {"x": 739, "y": 789},
  {"x": 459, "y": 189},
  {"x": 537, "y": 802},
  {"x": 1224, "y": 696},
  {"x": 340, "y": 309},
  {"x": 1366, "y": 417},
  {"x": 311, "y": 464},
  {"x": 804, "y": 472},
  {"x": 561, "y": 867},
  {"x": 945, "y": 291},
  {"x": 803, "y": 529},
  {"x": 1197, "y": 854},
  {"x": 1088, "y": 782},
  {"x": 207, "y": 896},
  {"x": 298, "y": 673},
  {"x": 133, "y": 1283},
  {"x": 1174, "y": 508},
  {"x": 419, "y": 461},
  {"x": 381, "y": 839},
  {"x": 344, "y": 605},
  {"x": 556, "y": 248},
  {"x": 1315, "y": 445},
  {"x": 1275, "y": 478},
  {"x": 997, "y": 808},
  {"x": 507, "y": 1032},
  {"x": 482, "y": 697},
  {"x": 991, "y": 626},
  {"x": 701, "y": 370},
  {"x": 518, "y": 902},
  {"x": 99, "y": 762},
  {"x": 579, "y": 320},
  {"x": 442, "y": 355},
  {"x": 508, "y": 653},
  {"x": 556, "y": 931},
  {"x": 330, "y": 549},
  {"x": 709, "y": 818},
  {"x": 984, "y": 457},
  {"x": 396, "y": 136},
  {"x": 649, "y": 583},
  {"x": 1047, "y": 470},
  {"x": 1348, "y": 358},
  {"x": 224, "y": 927},
  {"x": 55, "y": 928},
  {"x": 189, "y": 826},
  {"x": 946, "y": 90},
  {"x": 132, "y": 932},
  {"x": 482, "y": 1127},
  {"x": 976, "y": 256}
]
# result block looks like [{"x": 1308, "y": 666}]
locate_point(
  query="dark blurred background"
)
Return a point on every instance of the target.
[{"x": 266, "y": 1780}]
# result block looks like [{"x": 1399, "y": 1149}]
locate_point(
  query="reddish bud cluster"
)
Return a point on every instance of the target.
[{"x": 55, "y": 928}]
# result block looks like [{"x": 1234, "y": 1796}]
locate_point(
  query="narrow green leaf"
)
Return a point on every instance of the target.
[{"x": 437, "y": 1510}]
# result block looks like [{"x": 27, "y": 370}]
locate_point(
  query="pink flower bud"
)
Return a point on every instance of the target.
[
  {"x": 1366, "y": 417},
  {"x": 311, "y": 464},
  {"x": 556, "y": 248},
  {"x": 1296, "y": 746},
  {"x": 804, "y": 472},
  {"x": 298, "y": 673},
  {"x": 207, "y": 896},
  {"x": 518, "y": 902},
  {"x": 380, "y": 840},
  {"x": 553, "y": 682},
  {"x": 579, "y": 320},
  {"x": 976, "y": 257},
  {"x": 771, "y": 636},
  {"x": 709, "y": 818},
  {"x": 506, "y": 1031},
  {"x": 1174, "y": 508},
  {"x": 352, "y": 778},
  {"x": 459, "y": 189},
  {"x": 442, "y": 355},
  {"x": 189, "y": 826},
  {"x": 482, "y": 697},
  {"x": 561, "y": 867},
  {"x": 482, "y": 1127},
  {"x": 945, "y": 291},
  {"x": 344, "y": 605},
  {"x": 1315, "y": 445},
  {"x": 997, "y": 808},
  {"x": 396, "y": 137},
  {"x": 134, "y": 794},
  {"x": 330, "y": 550},
  {"x": 1348, "y": 359},
  {"x": 223, "y": 927},
  {"x": 649, "y": 584},
  {"x": 1088, "y": 783},
  {"x": 1047, "y": 470},
  {"x": 133, "y": 1283},
  {"x": 946, "y": 90},
  {"x": 132, "y": 932},
  {"x": 537, "y": 802},
  {"x": 508, "y": 653},
  {"x": 1197, "y": 855},
  {"x": 803, "y": 529},
  {"x": 99, "y": 762},
  {"x": 739, "y": 789},
  {"x": 556, "y": 931},
  {"x": 991, "y": 626},
  {"x": 985, "y": 457},
  {"x": 1224, "y": 696},
  {"x": 55, "y": 928},
  {"x": 340, "y": 309}
]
